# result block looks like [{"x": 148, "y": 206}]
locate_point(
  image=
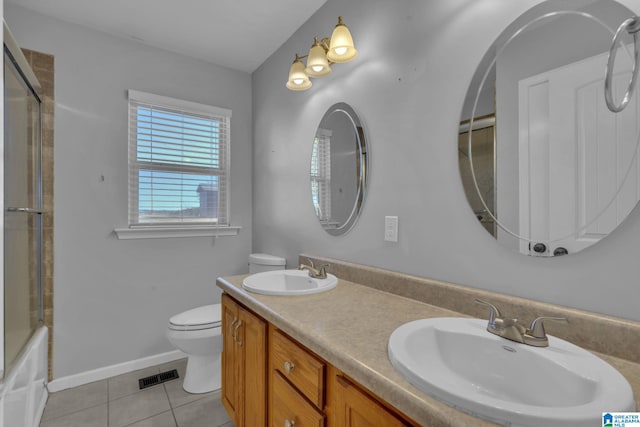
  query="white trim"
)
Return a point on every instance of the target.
[
  {"x": 26, "y": 383},
  {"x": 173, "y": 103},
  {"x": 113, "y": 370},
  {"x": 168, "y": 232},
  {"x": 205, "y": 162}
]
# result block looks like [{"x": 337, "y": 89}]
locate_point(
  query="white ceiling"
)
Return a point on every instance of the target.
[{"x": 238, "y": 34}]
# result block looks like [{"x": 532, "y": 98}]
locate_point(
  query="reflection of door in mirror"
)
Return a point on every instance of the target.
[
  {"x": 483, "y": 155},
  {"x": 566, "y": 172}
]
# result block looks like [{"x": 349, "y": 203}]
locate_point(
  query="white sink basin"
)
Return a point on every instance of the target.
[
  {"x": 288, "y": 282},
  {"x": 458, "y": 362}
]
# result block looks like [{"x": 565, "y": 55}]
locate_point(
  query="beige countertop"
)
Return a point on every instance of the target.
[{"x": 349, "y": 327}]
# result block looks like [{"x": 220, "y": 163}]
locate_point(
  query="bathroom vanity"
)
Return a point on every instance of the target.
[
  {"x": 303, "y": 389},
  {"x": 289, "y": 360},
  {"x": 334, "y": 345}
]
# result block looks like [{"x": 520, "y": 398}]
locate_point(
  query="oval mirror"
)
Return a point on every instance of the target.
[
  {"x": 547, "y": 168},
  {"x": 339, "y": 169}
]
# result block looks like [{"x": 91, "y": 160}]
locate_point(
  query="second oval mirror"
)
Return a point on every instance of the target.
[
  {"x": 339, "y": 168},
  {"x": 547, "y": 169}
]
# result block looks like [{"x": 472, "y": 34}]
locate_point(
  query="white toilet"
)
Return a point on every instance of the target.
[{"x": 198, "y": 333}]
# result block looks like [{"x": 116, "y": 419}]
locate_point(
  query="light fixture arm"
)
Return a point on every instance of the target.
[{"x": 324, "y": 43}]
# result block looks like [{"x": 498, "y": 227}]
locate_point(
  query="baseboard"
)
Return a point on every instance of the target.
[{"x": 113, "y": 370}]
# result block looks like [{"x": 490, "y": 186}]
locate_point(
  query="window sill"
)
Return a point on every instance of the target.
[{"x": 170, "y": 232}]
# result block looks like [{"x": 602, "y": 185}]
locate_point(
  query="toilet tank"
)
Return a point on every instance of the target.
[{"x": 265, "y": 262}]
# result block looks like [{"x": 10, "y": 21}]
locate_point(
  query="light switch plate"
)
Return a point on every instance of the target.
[{"x": 391, "y": 228}]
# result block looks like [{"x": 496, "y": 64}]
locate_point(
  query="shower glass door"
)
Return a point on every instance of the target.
[{"x": 22, "y": 214}]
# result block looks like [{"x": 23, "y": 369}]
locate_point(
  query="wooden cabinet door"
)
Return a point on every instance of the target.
[
  {"x": 352, "y": 407},
  {"x": 244, "y": 365},
  {"x": 252, "y": 340},
  {"x": 231, "y": 360}
]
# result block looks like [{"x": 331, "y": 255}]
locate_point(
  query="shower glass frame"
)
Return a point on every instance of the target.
[{"x": 35, "y": 212}]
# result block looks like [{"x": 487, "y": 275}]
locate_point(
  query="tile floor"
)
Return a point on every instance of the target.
[{"x": 118, "y": 402}]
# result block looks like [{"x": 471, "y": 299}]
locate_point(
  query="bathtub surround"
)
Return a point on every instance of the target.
[
  {"x": 28, "y": 160},
  {"x": 113, "y": 297},
  {"x": 43, "y": 67},
  {"x": 23, "y": 392}
]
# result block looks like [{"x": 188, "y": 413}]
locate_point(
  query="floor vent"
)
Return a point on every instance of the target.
[
  {"x": 158, "y": 379},
  {"x": 168, "y": 376}
]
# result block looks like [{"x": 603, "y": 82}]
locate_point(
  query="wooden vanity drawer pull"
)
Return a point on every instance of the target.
[
  {"x": 289, "y": 423},
  {"x": 288, "y": 367}
]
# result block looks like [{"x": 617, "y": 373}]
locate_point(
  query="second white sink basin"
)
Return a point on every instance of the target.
[
  {"x": 288, "y": 282},
  {"x": 457, "y": 361}
]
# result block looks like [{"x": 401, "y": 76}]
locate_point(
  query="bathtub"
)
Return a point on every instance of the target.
[{"x": 23, "y": 393}]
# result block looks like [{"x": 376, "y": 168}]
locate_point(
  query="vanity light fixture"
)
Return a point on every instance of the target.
[
  {"x": 339, "y": 48},
  {"x": 298, "y": 79}
]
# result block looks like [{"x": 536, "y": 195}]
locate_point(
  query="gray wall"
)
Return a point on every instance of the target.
[
  {"x": 113, "y": 298},
  {"x": 408, "y": 86}
]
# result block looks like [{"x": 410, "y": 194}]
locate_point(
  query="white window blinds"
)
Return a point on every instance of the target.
[
  {"x": 321, "y": 174},
  {"x": 178, "y": 162}
]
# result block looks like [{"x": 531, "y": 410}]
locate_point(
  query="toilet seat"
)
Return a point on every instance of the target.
[{"x": 205, "y": 317}]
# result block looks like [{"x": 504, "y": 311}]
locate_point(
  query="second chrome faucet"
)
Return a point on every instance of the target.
[
  {"x": 511, "y": 329},
  {"x": 316, "y": 273}
]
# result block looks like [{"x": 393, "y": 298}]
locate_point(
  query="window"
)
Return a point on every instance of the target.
[
  {"x": 321, "y": 174},
  {"x": 178, "y": 162}
]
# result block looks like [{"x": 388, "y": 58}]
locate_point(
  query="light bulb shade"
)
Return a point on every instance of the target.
[
  {"x": 341, "y": 48},
  {"x": 317, "y": 64},
  {"x": 298, "y": 80}
]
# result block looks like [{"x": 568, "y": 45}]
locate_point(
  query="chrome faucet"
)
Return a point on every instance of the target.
[
  {"x": 510, "y": 329},
  {"x": 316, "y": 273}
]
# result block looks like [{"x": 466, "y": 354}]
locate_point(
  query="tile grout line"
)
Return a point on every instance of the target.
[
  {"x": 75, "y": 411},
  {"x": 173, "y": 414}
]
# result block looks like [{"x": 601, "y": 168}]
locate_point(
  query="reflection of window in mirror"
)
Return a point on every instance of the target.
[
  {"x": 321, "y": 174},
  {"x": 483, "y": 151}
]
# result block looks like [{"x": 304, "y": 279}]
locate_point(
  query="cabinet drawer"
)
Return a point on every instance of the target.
[
  {"x": 304, "y": 370},
  {"x": 290, "y": 408}
]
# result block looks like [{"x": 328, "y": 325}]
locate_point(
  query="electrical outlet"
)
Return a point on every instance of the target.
[{"x": 391, "y": 228}]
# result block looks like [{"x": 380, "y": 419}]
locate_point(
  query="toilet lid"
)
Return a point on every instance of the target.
[{"x": 205, "y": 317}]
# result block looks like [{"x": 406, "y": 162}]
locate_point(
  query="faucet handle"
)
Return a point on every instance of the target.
[
  {"x": 537, "y": 325},
  {"x": 322, "y": 271},
  {"x": 494, "y": 314}
]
